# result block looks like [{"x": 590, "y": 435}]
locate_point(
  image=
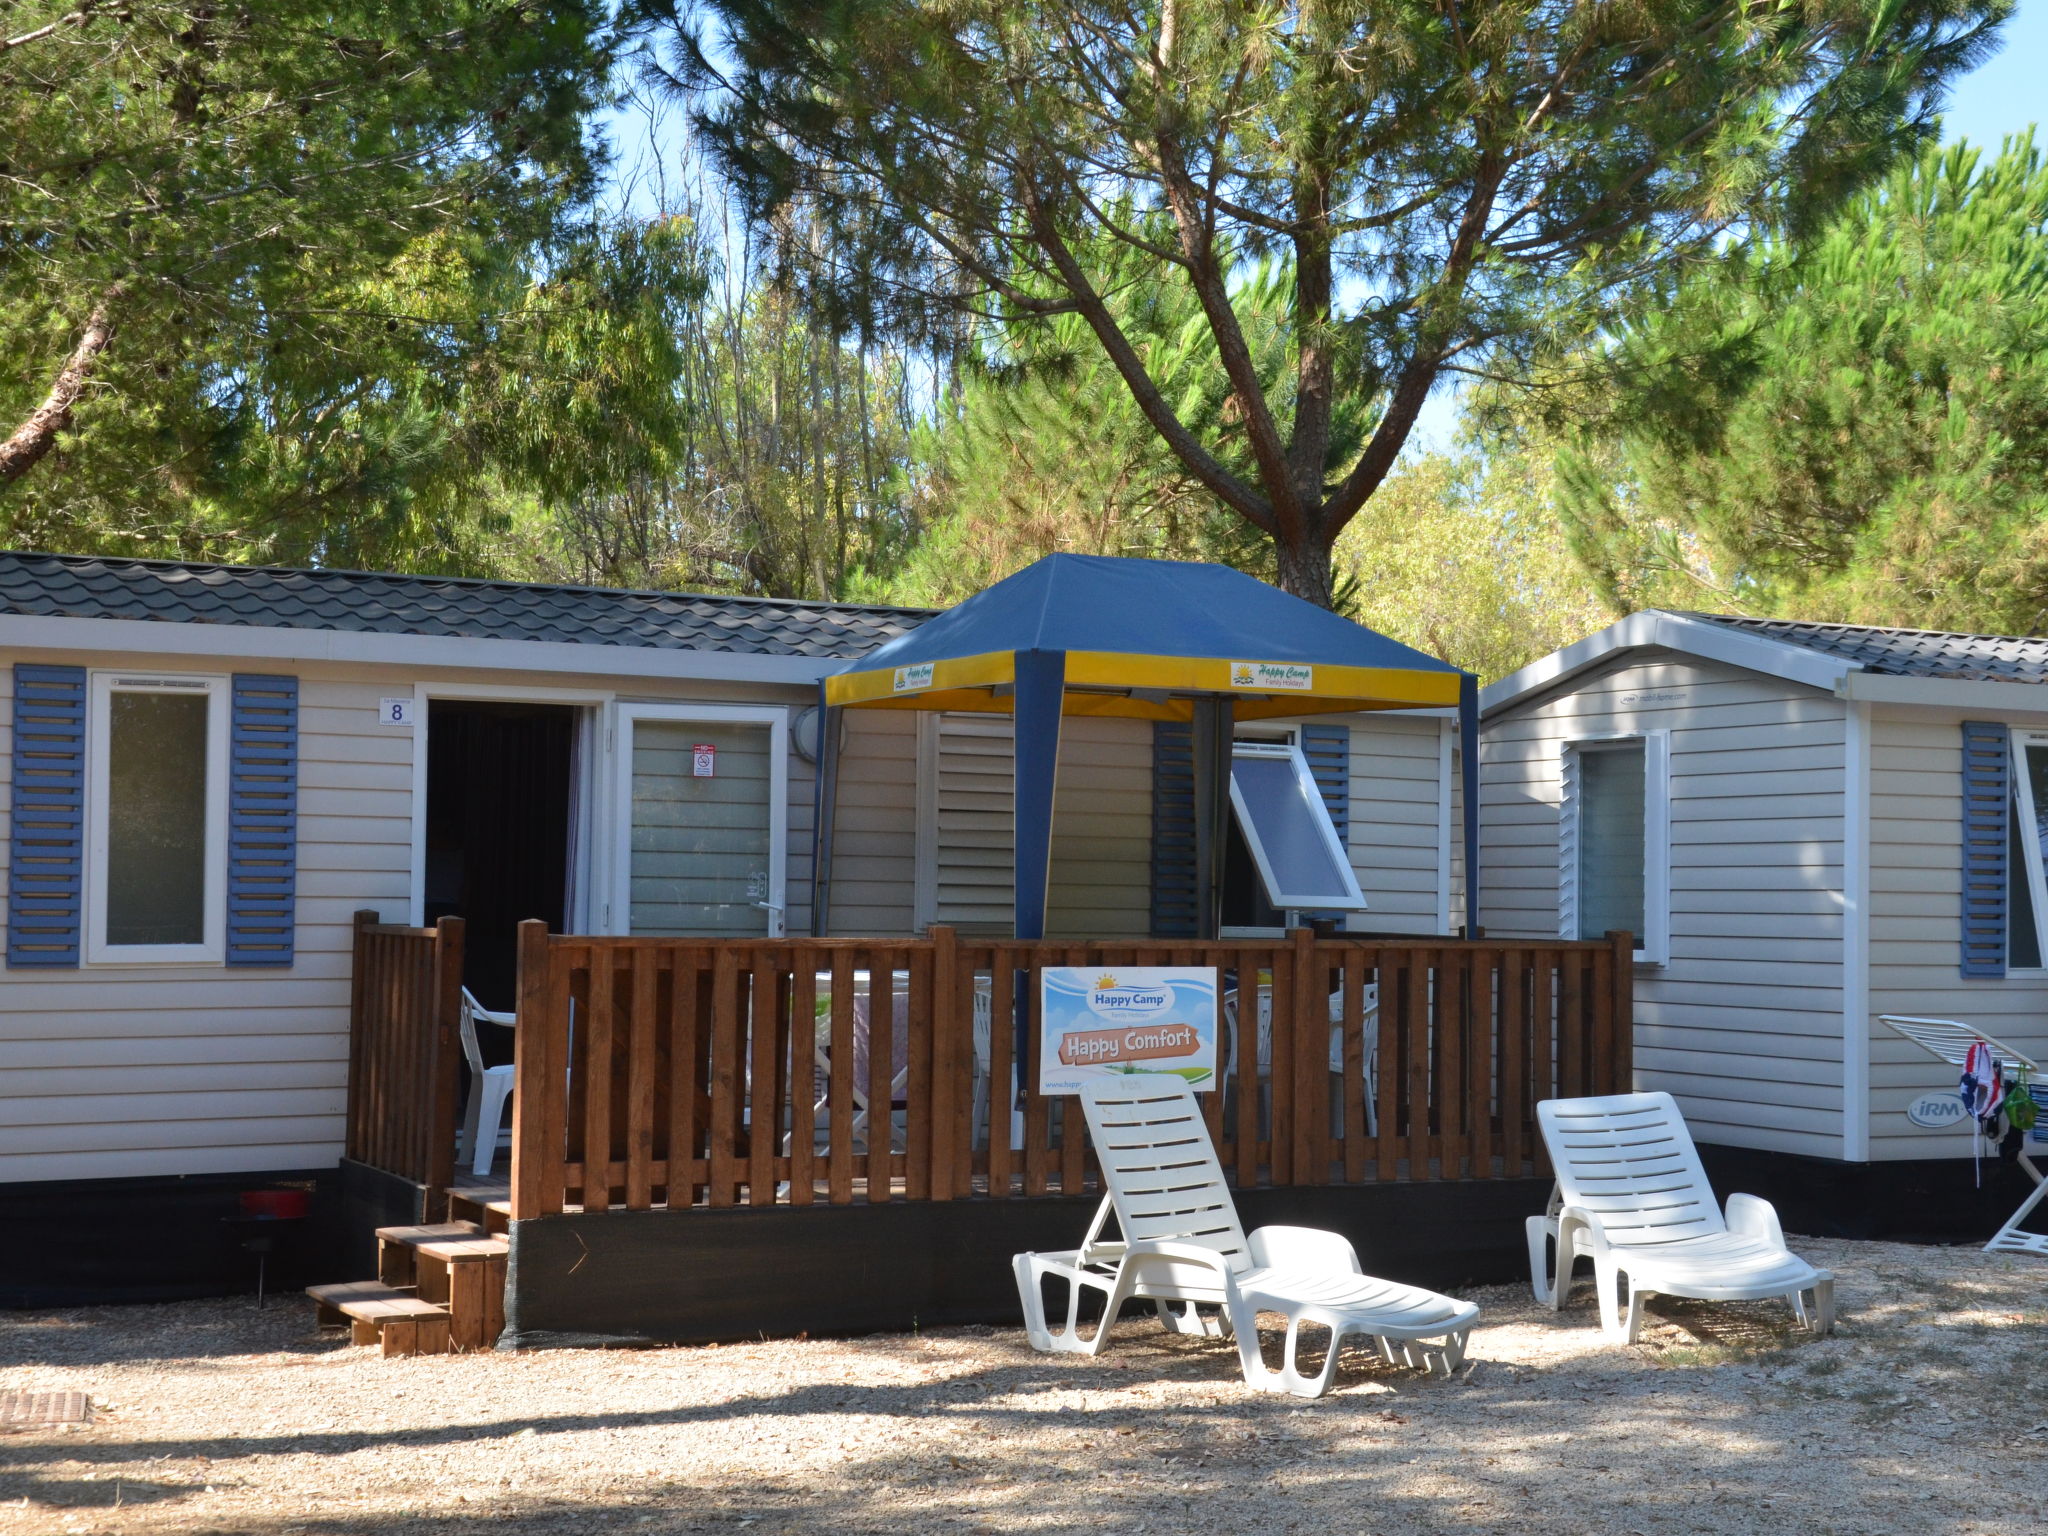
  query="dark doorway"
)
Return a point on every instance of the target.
[
  {"x": 500, "y": 798},
  {"x": 1244, "y": 893}
]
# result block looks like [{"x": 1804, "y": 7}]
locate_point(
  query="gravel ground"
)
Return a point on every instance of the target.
[{"x": 1927, "y": 1412}]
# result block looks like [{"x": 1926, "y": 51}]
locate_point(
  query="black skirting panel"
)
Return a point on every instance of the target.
[
  {"x": 701, "y": 1275},
  {"x": 78, "y": 1242},
  {"x": 1930, "y": 1200}
]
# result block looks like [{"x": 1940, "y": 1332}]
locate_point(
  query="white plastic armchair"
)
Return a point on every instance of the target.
[
  {"x": 490, "y": 1088},
  {"x": 1183, "y": 1249},
  {"x": 1632, "y": 1196}
]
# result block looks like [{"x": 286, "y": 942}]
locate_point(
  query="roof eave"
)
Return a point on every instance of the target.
[
  {"x": 27, "y": 632},
  {"x": 1660, "y": 630}
]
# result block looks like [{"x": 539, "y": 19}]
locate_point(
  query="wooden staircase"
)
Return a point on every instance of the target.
[{"x": 440, "y": 1289}]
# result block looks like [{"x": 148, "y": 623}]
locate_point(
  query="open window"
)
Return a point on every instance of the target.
[
  {"x": 1613, "y": 857},
  {"x": 1283, "y": 829},
  {"x": 157, "y": 775},
  {"x": 2026, "y": 901}
]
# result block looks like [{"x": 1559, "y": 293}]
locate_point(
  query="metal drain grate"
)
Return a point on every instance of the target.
[{"x": 43, "y": 1410}]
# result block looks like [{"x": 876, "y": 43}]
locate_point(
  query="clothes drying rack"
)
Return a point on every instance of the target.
[{"x": 1949, "y": 1041}]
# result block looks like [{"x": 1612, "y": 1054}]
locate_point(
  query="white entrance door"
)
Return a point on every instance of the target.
[{"x": 703, "y": 794}]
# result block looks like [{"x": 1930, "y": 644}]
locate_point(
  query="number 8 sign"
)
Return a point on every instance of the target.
[{"x": 395, "y": 711}]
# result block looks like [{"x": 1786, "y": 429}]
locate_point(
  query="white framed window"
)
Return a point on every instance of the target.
[
  {"x": 701, "y": 820},
  {"x": 2027, "y": 902},
  {"x": 1614, "y": 858},
  {"x": 1301, "y": 861},
  {"x": 156, "y": 819}
]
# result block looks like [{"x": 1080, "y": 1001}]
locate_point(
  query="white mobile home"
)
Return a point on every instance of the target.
[
  {"x": 1808, "y": 826},
  {"x": 209, "y": 770}
]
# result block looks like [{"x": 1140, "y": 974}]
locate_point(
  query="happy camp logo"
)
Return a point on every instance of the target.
[
  {"x": 1271, "y": 675},
  {"x": 1110, "y": 999}
]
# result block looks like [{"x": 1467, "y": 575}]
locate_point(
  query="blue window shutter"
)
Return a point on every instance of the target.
[
  {"x": 46, "y": 824},
  {"x": 263, "y": 820},
  {"x": 1175, "y": 878},
  {"x": 1328, "y": 751},
  {"x": 1987, "y": 809}
]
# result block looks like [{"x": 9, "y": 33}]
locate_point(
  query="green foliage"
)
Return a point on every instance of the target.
[
  {"x": 1461, "y": 555},
  {"x": 1042, "y": 449},
  {"x": 1451, "y": 186},
  {"x": 1856, "y": 430},
  {"x": 353, "y": 293}
]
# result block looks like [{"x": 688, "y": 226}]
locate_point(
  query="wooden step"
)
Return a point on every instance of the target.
[
  {"x": 454, "y": 1264},
  {"x": 398, "y": 1248},
  {"x": 388, "y": 1315},
  {"x": 489, "y": 1205}
]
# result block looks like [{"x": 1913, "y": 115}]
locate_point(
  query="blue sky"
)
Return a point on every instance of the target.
[{"x": 2006, "y": 94}]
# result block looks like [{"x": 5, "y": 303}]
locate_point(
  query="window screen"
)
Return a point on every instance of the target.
[
  {"x": 1611, "y": 781},
  {"x": 1300, "y": 858},
  {"x": 156, "y": 818}
]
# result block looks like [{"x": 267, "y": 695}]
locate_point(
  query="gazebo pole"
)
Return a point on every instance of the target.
[{"x": 1468, "y": 779}]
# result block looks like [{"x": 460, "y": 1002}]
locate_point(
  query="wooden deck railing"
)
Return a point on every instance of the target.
[
  {"x": 404, "y": 1052},
  {"x": 687, "y": 1073}
]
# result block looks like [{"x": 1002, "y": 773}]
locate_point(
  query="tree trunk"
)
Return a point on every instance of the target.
[
  {"x": 34, "y": 438},
  {"x": 1305, "y": 571}
]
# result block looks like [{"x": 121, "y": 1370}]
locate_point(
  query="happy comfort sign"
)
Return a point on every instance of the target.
[{"x": 1096, "y": 1022}]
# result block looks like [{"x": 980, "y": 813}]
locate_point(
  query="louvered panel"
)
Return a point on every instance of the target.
[
  {"x": 46, "y": 824},
  {"x": 263, "y": 819},
  {"x": 977, "y": 865},
  {"x": 1987, "y": 831},
  {"x": 1327, "y": 749},
  {"x": 1176, "y": 881}
]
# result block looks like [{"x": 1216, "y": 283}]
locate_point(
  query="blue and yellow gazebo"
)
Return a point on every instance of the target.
[{"x": 1144, "y": 639}]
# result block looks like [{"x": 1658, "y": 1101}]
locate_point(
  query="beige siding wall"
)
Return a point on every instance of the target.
[
  {"x": 1916, "y": 815},
  {"x": 874, "y": 827},
  {"x": 1744, "y": 1024},
  {"x": 1396, "y": 822},
  {"x": 1101, "y": 881},
  {"x": 118, "y": 1071}
]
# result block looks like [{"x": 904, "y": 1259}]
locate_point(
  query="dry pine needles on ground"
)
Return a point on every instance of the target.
[{"x": 1923, "y": 1414}]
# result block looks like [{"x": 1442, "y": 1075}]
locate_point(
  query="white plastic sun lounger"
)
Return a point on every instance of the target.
[
  {"x": 1631, "y": 1196},
  {"x": 1184, "y": 1249}
]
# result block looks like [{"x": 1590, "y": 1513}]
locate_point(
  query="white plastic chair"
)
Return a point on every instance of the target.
[
  {"x": 490, "y": 1089},
  {"x": 1631, "y": 1196},
  {"x": 1183, "y": 1248},
  {"x": 1370, "y": 1027}
]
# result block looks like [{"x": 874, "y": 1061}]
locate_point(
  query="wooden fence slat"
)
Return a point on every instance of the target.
[
  {"x": 641, "y": 979},
  {"x": 722, "y": 1183},
  {"x": 1250, "y": 1083},
  {"x": 599, "y": 1030},
  {"x": 952, "y": 1065},
  {"x": 1545, "y": 991},
  {"x": 1514, "y": 1029},
  {"x": 881, "y": 1073},
  {"x": 1354, "y": 1084},
  {"x": 1481, "y": 1038},
  {"x": 1002, "y": 1070},
  {"x": 1623, "y": 1045},
  {"x": 763, "y": 1101},
  {"x": 1421, "y": 990},
  {"x": 1571, "y": 1026},
  {"x": 803, "y": 1079},
  {"x": 686, "y": 1094},
  {"x": 1453, "y": 999},
  {"x": 839, "y": 1136},
  {"x": 1037, "y": 1116},
  {"x": 921, "y": 1113},
  {"x": 1396, "y": 975}
]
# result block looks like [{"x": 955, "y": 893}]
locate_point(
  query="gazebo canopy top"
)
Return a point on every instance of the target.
[{"x": 1145, "y": 638}]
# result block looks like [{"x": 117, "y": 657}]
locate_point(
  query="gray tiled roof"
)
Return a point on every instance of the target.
[
  {"x": 1909, "y": 652},
  {"x": 93, "y": 587}
]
